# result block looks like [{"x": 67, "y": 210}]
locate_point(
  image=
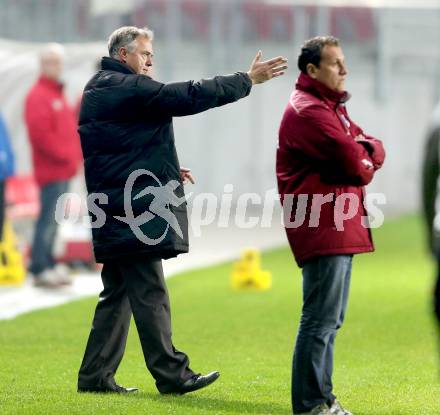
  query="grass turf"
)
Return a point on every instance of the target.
[{"x": 386, "y": 354}]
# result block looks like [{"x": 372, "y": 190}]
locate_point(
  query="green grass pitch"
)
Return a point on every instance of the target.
[{"x": 387, "y": 360}]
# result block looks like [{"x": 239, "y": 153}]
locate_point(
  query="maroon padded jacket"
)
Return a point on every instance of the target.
[{"x": 319, "y": 159}]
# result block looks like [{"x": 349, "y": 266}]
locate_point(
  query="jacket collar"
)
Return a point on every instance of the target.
[
  {"x": 112, "y": 64},
  {"x": 50, "y": 83},
  {"x": 334, "y": 98}
]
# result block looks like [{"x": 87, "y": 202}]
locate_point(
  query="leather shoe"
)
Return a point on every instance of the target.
[
  {"x": 108, "y": 386},
  {"x": 198, "y": 382}
]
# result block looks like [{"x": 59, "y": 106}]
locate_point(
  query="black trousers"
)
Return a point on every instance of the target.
[{"x": 136, "y": 285}]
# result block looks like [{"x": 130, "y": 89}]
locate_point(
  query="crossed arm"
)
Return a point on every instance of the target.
[{"x": 341, "y": 159}]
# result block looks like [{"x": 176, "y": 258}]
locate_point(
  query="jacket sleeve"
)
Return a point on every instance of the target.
[
  {"x": 373, "y": 146},
  {"x": 187, "y": 98},
  {"x": 341, "y": 159},
  {"x": 430, "y": 173},
  {"x": 38, "y": 117}
]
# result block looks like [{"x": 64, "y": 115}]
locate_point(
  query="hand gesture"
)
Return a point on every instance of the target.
[
  {"x": 186, "y": 175},
  {"x": 260, "y": 72}
]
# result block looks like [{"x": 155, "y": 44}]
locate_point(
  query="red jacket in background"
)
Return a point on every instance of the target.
[
  {"x": 317, "y": 154},
  {"x": 52, "y": 130}
]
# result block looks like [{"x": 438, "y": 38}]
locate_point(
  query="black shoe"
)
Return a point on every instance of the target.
[
  {"x": 198, "y": 382},
  {"x": 107, "y": 387}
]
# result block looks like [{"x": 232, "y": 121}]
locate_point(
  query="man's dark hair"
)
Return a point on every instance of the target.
[{"x": 311, "y": 51}]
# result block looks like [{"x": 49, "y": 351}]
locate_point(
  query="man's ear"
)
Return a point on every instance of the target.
[
  {"x": 122, "y": 53},
  {"x": 311, "y": 70}
]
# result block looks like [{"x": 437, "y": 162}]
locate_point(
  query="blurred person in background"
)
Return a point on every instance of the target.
[
  {"x": 323, "y": 152},
  {"x": 6, "y": 169},
  {"x": 431, "y": 200},
  {"x": 56, "y": 154},
  {"x": 126, "y": 129}
]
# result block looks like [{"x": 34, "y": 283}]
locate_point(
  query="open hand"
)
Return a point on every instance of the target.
[{"x": 260, "y": 72}]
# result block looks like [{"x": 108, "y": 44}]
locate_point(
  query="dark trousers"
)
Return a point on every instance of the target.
[
  {"x": 326, "y": 283},
  {"x": 46, "y": 228},
  {"x": 136, "y": 285},
  {"x": 2, "y": 207},
  {"x": 437, "y": 292}
]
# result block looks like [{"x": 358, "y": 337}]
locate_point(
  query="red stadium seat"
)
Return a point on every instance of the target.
[{"x": 22, "y": 197}]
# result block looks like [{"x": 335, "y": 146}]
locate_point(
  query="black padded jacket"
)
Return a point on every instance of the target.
[{"x": 128, "y": 145}]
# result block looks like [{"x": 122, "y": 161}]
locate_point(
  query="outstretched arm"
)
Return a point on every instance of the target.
[{"x": 187, "y": 98}]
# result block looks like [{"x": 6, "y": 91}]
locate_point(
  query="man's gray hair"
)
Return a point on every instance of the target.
[{"x": 125, "y": 37}]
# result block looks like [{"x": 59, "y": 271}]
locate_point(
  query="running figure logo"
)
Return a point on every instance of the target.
[{"x": 163, "y": 197}]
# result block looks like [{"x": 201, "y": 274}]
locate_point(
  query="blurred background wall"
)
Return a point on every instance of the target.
[{"x": 393, "y": 55}]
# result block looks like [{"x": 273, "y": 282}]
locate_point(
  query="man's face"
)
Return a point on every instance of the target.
[
  {"x": 52, "y": 66},
  {"x": 141, "y": 58},
  {"x": 332, "y": 70}
]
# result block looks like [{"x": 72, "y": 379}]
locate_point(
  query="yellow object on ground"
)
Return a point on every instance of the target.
[
  {"x": 247, "y": 272},
  {"x": 12, "y": 270}
]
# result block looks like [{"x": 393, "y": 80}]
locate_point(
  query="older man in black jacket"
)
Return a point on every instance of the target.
[
  {"x": 431, "y": 200},
  {"x": 128, "y": 145}
]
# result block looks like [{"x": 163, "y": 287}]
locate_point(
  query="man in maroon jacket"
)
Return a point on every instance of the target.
[
  {"x": 323, "y": 161},
  {"x": 56, "y": 154}
]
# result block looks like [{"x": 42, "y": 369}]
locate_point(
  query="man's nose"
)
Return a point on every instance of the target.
[{"x": 343, "y": 70}]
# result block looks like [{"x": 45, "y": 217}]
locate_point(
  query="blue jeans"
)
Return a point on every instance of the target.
[
  {"x": 326, "y": 283},
  {"x": 46, "y": 228}
]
